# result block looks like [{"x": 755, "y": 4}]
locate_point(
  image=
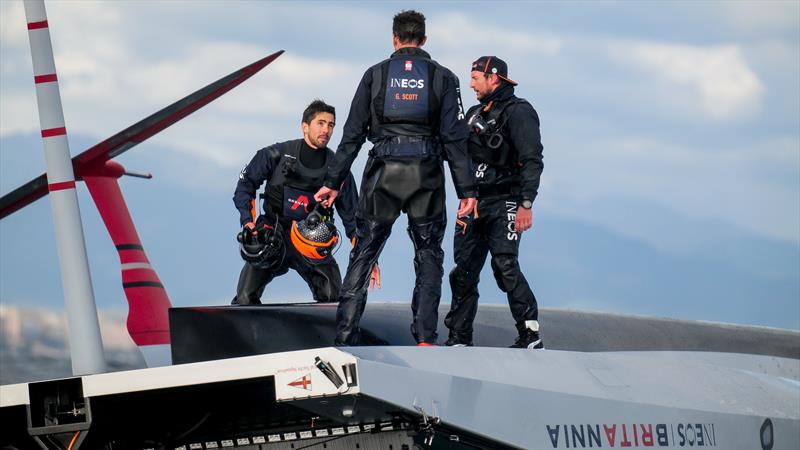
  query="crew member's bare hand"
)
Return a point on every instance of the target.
[
  {"x": 251, "y": 227},
  {"x": 375, "y": 278},
  {"x": 524, "y": 219},
  {"x": 326, "y": 196},
  {"x": 466, "y": 206}
]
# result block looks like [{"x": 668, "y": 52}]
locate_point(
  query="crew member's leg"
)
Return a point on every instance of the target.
[
  {"x": 379, "y": 207},
  {"x": 427, "y": 220},
  {"x": 371, "y": 236},
  {"x": 470, "y": 250},
  {"x": 252, "y": 282},
  {"x": 323, "y": 278},
  {"x": 428, "y": 260},
  {"x": 504, "y": 247}
]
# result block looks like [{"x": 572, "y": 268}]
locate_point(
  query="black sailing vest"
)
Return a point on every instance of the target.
[
  {"x": 291, "y": 188},
  {"x": 405, "y": 97},
  {"x": 491, "y": 145}
]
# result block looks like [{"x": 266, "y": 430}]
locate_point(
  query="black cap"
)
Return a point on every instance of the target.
[{"x": 495, "y": 65}]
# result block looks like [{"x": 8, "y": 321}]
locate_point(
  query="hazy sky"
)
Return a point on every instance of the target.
[{"x": 671, "y": 124}]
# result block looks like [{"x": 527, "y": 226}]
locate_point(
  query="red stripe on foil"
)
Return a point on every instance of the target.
[
  {"x": 45, "y": 78},
  {"x": 50, "y": 132},
  {"x": 37, "y": 25},
  {"x": 52, "y": 187}
]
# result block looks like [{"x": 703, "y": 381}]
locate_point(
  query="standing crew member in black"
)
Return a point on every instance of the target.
[
  {"x": 506, "y": 151},
  {"x": 410, "y": 108},
  {"x": 294, "y": 171}
]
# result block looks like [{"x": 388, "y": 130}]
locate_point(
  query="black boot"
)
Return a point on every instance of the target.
[
  {"x": 528, "y": 338},
  {"x": 455, "y": 341}
]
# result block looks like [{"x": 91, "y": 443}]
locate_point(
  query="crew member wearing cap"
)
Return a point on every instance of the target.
[
  {"x": 409, "y": 107},
  {"x": 506, "y": 151},
  {"x": 293, "y": 171}
]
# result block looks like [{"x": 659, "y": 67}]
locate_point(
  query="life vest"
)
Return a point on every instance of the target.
[
  {"x": 291, "y": 188},
  {"x": 490, "y": 145},
  {"x": 405, "y": 97}
]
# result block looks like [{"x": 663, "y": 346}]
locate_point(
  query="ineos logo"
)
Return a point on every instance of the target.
[
  {"x": 406, "y": 83},
  {"x": 511, "y": 216},
  {"x": 481, "y": 171}
]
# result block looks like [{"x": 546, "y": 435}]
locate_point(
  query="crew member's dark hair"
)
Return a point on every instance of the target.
[
  {"x": 409, "y": 27},
  {"x": 316, "y": 107}
]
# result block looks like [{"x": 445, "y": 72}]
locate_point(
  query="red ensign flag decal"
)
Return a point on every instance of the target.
[{"x": 302, "y": 383}]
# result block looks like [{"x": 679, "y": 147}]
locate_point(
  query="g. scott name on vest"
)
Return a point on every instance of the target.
[
  {"x": 632, "y": 435},
  {"x": 406, "y": 83}
]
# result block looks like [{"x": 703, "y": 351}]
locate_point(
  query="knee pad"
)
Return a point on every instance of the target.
[
  {"x": 459, "y": 282},
  {"x": 326, "y": 288},
  {"x": 506, "y": 271},
  {"x": 327, "y": 295}
]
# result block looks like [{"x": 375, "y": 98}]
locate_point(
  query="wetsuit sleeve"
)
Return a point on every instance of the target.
[
  {"x": 523, "y": 130},
  {"x": 353, "y": 135},
  {"x": 346, "y": 205},
  {"x": 453, "y": 132},
  {"x": 252, "y": 176}
]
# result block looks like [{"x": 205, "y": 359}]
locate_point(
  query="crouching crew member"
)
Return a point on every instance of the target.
[
  {"x": 506, "y": 151},
  {"x": 410, "y": 108},
  {"x": 294, "y": 171}
]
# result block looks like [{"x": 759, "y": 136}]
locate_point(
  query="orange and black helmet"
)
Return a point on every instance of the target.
[{"x": 314, "y": 237}]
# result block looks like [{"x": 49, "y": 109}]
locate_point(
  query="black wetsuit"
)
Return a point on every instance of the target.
[
  {"x": 294, "y": 172},
  {"x": 410, "y": 109},
  {"x": 505, "y": 178}
]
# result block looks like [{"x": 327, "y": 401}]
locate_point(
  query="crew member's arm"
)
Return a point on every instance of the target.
[
  {"x": 453, "y": 132},
  {"x": 254, "y": 173},
  {"x": 354, "y": 134},
  {"x": 523, "y": 131},
  {"x": 346, "y": 205}
]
